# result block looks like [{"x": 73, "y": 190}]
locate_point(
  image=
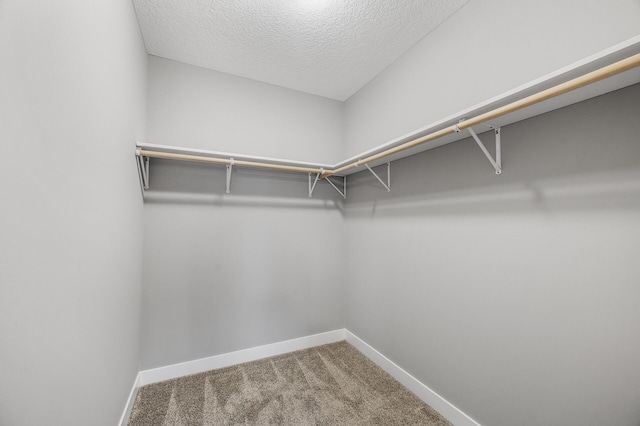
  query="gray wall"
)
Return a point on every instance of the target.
[
  {"x": 72, "y": 93},
  {"x": 192, "y": 107},
  {"x": 486, "y": 48},
  {"x": 224, "y": 272},
  {"x": 515, "y": 297},
  {"x": 512, "y": 296}
]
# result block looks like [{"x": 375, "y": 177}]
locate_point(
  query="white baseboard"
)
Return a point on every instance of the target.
[
  {"x": 441, "y": 405},
  {"x": 438, "y": 403},
  {"x": 124, "y": 419},
  {"x": 232, "y": 358}
]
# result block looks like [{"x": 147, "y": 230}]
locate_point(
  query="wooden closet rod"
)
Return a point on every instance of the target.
[
  {"x": 202, "y": 159},
  {"x": 584, "y": 80},
  {"x": 576, "y": 83}
]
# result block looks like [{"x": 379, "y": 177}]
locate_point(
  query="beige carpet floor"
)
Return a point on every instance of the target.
[{"x": 327, "y": 385}]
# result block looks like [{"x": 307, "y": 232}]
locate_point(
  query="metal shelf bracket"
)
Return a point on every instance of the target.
[
  {"x": 229, "y": 170},
  {"x": 315, "y": 181},
  {"x": 387, "y": 185},
  {"x": 497, "y": 163},
  {"x": 312, "y": 186},
  {"x": 344, "y": 186},
  {"x": 143, "y": 170}
]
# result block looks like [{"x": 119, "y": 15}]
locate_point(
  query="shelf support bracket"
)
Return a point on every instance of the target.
[
  {"x": 138, "y": 165},
  {"x": 143, "y": 170},
  {"x": 497, "y": 163},
  {"x": 344, "y": 186},
  {"x": 313, "y": 187},
  {"x": 229, "y": 170},
  {"x": 387, "y": 185}
]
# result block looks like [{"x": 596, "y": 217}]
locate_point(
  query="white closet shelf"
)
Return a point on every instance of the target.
[{"x": 606, "y": 71}]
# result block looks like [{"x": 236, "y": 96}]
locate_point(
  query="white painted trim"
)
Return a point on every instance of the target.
[
  {"x": 438, "y": 403},
  {"x": 225, "y": 360},
  {"x": 124, "y": 419}
]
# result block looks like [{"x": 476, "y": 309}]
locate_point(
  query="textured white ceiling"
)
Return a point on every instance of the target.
[{"x": 329, "y": 48}]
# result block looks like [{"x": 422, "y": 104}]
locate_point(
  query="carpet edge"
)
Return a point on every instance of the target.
[{"x": 422, "y": 391}]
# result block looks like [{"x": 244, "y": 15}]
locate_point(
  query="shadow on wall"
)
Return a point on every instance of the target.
[
  {"x": 179, "y": 182},
  {"x": 585, "y": 156},
  {"x": 583, "y": 192}
]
